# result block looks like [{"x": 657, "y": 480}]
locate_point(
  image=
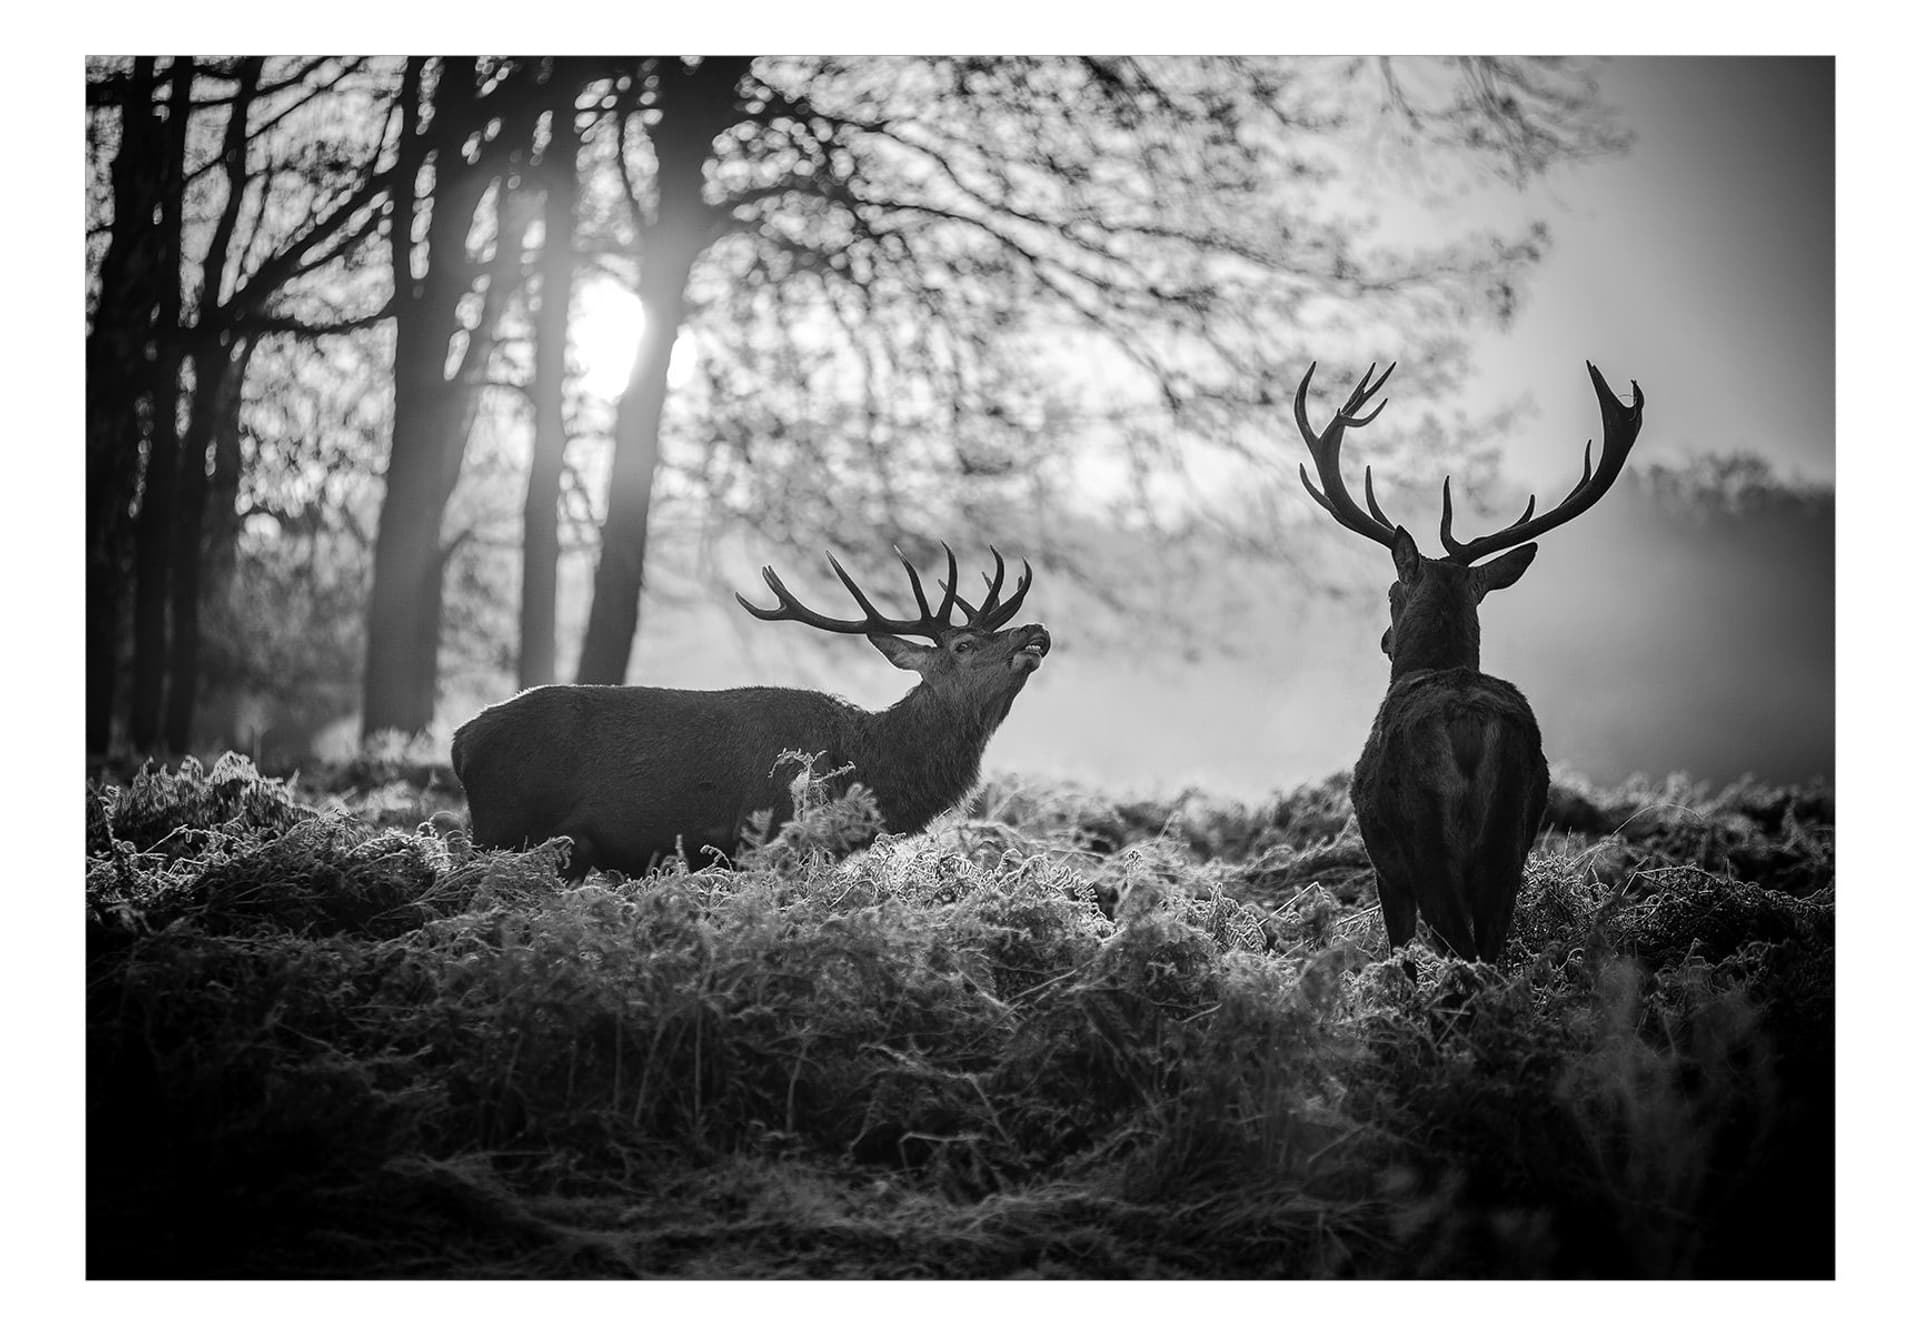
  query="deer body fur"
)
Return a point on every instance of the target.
[
  {"x": 1454, "y": 764},
  {"x": 636, "y": 774},
  {"x": 1451, "y": 787}
]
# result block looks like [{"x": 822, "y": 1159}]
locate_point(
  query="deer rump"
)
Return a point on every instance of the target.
[
  {"x": 633, "y": 773},
  {"x": 1449, "y": 792}
]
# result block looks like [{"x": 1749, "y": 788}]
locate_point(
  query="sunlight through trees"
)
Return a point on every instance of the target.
[{"x": 874, "y": 299}]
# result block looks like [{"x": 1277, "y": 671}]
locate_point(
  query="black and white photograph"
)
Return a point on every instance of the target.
[{"x": 1169, "y": 667}]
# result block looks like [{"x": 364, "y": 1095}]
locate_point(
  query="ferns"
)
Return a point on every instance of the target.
[{"x": 1174, "y": 1047}]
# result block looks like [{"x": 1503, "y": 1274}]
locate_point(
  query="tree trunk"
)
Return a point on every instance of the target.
[
  {"x": 219, "y": 371},
  {"x": 408, "y": 540},
  {"x": 218, "y": 375},
  {"x": 433, "y": 411},
  {"x": 540, "y": 563},
  {"x": 220, "y": 534},
  {"x": 695, "y": 105},
  {"x": 153, "y": 532},
  {"x": 116, "y": 361},
  {"x": 428, "y": 440},
  {"x": 615, "y": 615},
  {"x": 434, "y": 415}
]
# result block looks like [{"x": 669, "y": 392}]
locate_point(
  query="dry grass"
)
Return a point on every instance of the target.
[{"x": 1058, "y": 1037}]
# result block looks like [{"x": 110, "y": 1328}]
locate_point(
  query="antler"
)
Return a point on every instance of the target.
[
  {"x": 933, "y": 624},
  {"x": 992, "y": 613},
  {"x": 1325, "y": 449},
  {"x": 1620, "y": 426}
]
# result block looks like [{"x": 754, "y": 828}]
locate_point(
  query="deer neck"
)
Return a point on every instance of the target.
[
  {"x": 923, "y": 754},
  {"x": 1435, "y": 633}
]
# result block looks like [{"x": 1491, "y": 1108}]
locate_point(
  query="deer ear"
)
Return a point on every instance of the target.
[
  {"x": 1406, "y": 555},
  {"x": 1503, "y": 571},
  {"x": 903, "y": 653}
]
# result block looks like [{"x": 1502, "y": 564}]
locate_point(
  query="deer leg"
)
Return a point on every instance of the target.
[
  {"x": 1398, "y": 905},
  {"x": 1439, "y": 869},
  {"x": 1398, "y": 908},
  {"x": 1496, "y": 873},
  {"x": 1500, "y": 872},
  {"x": 1497, "y": 881},
  {"x": 1445, "y": 906},
  {"x": 1500, "y": 868}
]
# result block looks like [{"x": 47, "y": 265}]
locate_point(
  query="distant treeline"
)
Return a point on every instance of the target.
[{"x": 1689, "y": 623}]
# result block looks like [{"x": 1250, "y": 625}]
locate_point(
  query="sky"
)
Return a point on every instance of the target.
[{"x": 1700, "y": 263}]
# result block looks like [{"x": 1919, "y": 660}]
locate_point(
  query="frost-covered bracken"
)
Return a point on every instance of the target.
[{"x": 1061, "y": 1035}]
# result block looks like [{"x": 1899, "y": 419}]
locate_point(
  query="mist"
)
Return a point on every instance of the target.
[
  {"x": 1663, "y": 631},
  {"x": 1684, "y": 624}
]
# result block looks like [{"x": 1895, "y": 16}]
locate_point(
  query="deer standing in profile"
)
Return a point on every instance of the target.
[
  {"x": 634, "y": 774},
  {"x": 1452, "y": 784}
]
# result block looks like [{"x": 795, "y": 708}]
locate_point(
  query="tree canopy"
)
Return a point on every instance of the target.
[{"x": 888, "y": 301}]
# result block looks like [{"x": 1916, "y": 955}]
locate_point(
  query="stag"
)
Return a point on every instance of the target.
[
  {"x": 635, "y": 774},
  {"x": 1452, "y": 784}
]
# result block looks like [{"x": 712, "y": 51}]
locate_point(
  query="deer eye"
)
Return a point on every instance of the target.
[{"x": 964, "y": 646}]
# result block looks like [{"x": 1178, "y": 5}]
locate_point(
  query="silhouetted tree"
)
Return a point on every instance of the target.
[
  {"x": 689, "y": 106},
  {"x": 153, "y": 530},
  {"x": 913, "y": 241},
  {"x": 891, "y": 271},
  {"x": 219, "y": 350},
  {"x": 557, "y": 174},
  {"x": 215, "y": 257},
  {"x": 466, "y": 130},
  {"x": 119, "y": 353}
]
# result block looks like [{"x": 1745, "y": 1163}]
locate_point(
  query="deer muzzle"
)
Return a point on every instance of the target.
[{"x": 1035, "y": 641}]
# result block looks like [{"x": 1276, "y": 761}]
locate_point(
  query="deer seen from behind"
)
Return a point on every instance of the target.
[
  {"x": 1451, "y": 786},
  {"x": 635, "y": 774}
]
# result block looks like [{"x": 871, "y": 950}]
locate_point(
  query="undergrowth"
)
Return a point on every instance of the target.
[{"x": 1057, "y": 1037}]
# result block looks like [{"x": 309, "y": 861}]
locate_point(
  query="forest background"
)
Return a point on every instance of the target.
[{"x": 656, "y": 322}]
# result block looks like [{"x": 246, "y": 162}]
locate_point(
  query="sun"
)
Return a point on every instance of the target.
[
  {"x": 607, "y": 323},
  {"x": 608, "y": 320}
]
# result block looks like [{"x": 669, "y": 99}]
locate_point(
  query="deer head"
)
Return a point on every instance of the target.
[
  {"x": 974, "y": 659},
  {"x": 1434, "y": 601}
]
